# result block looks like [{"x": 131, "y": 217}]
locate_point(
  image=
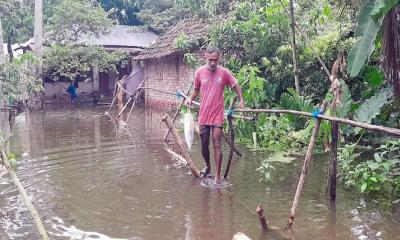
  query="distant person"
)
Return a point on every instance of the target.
[
  {"x": 210, "y": 81},
  {"x": 72, "y": 90}
]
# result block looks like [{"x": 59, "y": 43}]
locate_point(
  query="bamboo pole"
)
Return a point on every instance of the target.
[
  {"x": 392, "y": 131},
  {"x": 25, "y": 198},
  {"x": 181, "y": 144},
  {"x": 133, "y": 104},
  {"x": 232, "y": 140},
  {"x": 229, "y": 143},
  {"x": 176, "y": 155},
  {"x": 124, "y": 107},
  {"x": 137, "y": 93},
  {"x": 114, "y": 98},
  {"x": 261, "y": 217},
  {"x": 307, "y": 161},
  {"x": 178, "y": 110}
]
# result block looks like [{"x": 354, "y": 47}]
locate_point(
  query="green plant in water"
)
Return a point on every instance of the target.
[
  {"x": 277, "y": 134},
  {"x": 13, "y": 161},
  {"x": 379, "y": 174},
  {"x": 264, "y": 171}
]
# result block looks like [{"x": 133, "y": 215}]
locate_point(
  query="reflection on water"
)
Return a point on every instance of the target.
[{"x": 93, "y": 178}]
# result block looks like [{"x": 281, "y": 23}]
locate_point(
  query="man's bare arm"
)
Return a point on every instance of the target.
[
  {"x": 193, "y": 97},
  {"x": 238, "y": 91}
]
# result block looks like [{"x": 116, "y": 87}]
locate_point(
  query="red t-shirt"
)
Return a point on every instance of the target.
[{"x": 211, "y": 85}]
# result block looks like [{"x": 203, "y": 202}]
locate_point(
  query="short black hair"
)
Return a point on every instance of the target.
[{"x": 212, "y": 49}]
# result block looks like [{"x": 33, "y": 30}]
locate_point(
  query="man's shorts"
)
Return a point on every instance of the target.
[{"x": 206, "y": 129}]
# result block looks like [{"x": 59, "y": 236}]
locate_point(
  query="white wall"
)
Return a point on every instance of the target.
[{"x": 59, "y": 88}]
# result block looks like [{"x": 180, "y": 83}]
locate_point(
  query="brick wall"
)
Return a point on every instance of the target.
[{"x": 168, "y": 74}]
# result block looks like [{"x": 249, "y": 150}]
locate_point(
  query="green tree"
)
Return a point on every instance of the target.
[
  {"x": 73, "y": 19},
  {"x": 76, "y": 62},
  {"x": 16, "y": 80},
  {"x": 159, "y": 15},
  {"x": 123, "y": 11}
]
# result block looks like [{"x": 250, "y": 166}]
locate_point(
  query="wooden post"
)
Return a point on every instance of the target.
[
  {"x": 336, "y": 90},
  {"x": 25, "y": 198},
  {"x": 232, "y": 141},
  {"x": 333, "y": 161},
  {"x": 307, "y": 161},
  {"x": 182, "y": 145},
  {"x": 261, "y": 217}
]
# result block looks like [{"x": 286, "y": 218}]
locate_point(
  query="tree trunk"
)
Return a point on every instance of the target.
[
  {"x": 9, "y": 45},
  {"x": 38, "y": 42},
  {"x": 1, "y": 41},
  {"x": 391, "y": 50},
  {"x": 295, "y": 67},
  {"x": 38, "y": 29}
]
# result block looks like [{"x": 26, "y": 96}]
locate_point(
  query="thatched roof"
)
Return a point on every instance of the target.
[{"x": 165, "y": 45}]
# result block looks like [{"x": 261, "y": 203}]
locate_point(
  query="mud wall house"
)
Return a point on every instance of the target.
[
  {"x": 123, "y": 38},
  {"x": 164, "y": 65}
]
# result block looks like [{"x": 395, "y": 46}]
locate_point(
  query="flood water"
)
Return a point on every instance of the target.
[{"x": 90, "y": 178}]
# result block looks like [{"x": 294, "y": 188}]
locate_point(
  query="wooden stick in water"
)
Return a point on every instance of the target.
[
  {"x": 182, "y": 146},
  {"x": 178, "y": 110},
  {"x": 307, "y": 161},
  {"x": 229, "y": 143},
  {"x": 232, "y": 141},
  {"x": 137, "y": 94},
  {"x": 261, "y": 217},
  {"x": 25, "y": 198}
]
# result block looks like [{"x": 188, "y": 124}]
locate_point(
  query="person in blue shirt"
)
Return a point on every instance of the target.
[{"x": 72, "y": 90}]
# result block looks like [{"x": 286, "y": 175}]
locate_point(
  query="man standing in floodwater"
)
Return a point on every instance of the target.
[{"x": 211, "y": 80}]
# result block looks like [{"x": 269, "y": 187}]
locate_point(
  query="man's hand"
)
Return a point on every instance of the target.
[
  {"x": 189, "y": 102},
  {"x": 241, "y": 104}
]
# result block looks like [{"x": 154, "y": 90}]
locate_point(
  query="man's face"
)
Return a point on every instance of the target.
[{"x": 212, "y": 60}]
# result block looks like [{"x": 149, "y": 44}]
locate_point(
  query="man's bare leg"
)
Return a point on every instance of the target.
[
  {"x": 205, "y": 142},
  {"x": 216, "y": 138}
]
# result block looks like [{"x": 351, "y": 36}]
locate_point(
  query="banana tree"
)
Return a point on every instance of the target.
[{"x": 378, "y": 22}]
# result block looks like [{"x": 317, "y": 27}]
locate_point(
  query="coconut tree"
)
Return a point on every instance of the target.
[
  {"x": 1, "y": 42},
  {"x": 38, "y": 30}
]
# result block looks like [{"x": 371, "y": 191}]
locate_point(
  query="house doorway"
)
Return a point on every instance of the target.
[{"x": 104, "y": 83}]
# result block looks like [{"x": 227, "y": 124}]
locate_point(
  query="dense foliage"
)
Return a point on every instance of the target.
[
  {"x": 16, "y": 80},
  {"x": 68, "y": 63}
]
